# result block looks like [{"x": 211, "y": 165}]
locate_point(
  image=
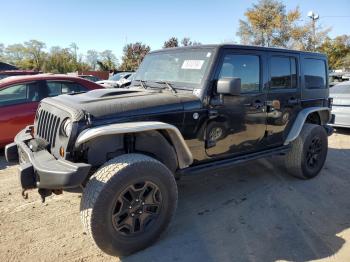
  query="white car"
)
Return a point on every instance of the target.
[
  {"x": 118, "y": 80},
  {"x": 341, "y": 104}
]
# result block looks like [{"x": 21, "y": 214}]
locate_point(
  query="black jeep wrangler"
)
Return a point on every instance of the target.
[{"x": 187, "y": 110}]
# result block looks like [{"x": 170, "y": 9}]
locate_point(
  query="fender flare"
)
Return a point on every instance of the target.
[
  {"x": 301, "y": 118},
  {"x": 183, "y": 153}
]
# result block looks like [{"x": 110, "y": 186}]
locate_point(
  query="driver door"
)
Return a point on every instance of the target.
[{"x": 239, "y": 124}]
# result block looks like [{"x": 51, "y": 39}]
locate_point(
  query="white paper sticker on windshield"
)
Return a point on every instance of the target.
[{"x": 192, "y": 64}]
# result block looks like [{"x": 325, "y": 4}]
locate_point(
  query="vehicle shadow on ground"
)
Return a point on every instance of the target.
[
  {"x": 3, "y": 163},
  {"x": 342, "y": 130},
  {"x": 256, "y": 212}
]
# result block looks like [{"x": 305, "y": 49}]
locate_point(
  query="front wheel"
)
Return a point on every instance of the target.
[
  {"x": 308, "y": 153},
  {"x": 128, "y": 203}
]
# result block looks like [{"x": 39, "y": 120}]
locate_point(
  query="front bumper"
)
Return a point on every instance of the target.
[{"x": 41, "y": 169}]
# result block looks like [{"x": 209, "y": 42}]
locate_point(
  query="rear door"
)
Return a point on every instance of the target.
[{"x": 283, "y": 96}]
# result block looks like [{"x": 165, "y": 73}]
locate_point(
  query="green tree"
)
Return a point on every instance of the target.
[
  {"x": 60, "y": 60},
  {"x": 304, "y": 39},
  {"x": 268, "y": 24},
  {"x": 171, "y": 42},
  {"x": 2, "y": 51},
  {"x": 346, "y": 62},
  {"x": 107, "y": 61},
  {"x": 133, "y": 55},
  {"x": 337, "y": 50},
  {"x": 34, "y": 52},
  {"x": 186, "y": 41},
  {"x": 92, "y": 58},
  {"x": 15, "y": 54},
  {"x": 74, "y": 49}
]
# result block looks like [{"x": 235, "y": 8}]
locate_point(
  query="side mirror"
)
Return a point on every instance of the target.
[{"x": 229, "y": 86}]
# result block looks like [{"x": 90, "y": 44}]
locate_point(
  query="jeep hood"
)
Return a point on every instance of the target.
[{"x": 106, "y": 103}]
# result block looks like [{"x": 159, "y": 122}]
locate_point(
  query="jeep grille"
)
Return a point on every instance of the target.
[{"x": 47, "y": 126}]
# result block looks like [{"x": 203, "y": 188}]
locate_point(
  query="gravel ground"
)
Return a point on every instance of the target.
[{"x": 252, "y": 212}]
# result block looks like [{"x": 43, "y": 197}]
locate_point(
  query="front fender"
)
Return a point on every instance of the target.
[{"x": 183, "y": 153}]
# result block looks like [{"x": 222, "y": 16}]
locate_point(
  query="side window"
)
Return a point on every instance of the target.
[
  {"x": 283, "y": 72},
  {"x": 245, "y": 67},
  {"x": 13, "y": 95},
  {"x": 314, "y": 73},
  {"x": 70, "y": 87},
  {"x": 54, "y": 88}
]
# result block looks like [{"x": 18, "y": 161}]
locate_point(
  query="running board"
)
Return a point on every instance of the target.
[{"x": 228, "y": 162}]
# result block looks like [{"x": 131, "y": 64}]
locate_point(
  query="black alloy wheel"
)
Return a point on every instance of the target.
[{"x": 137, "y": 208}]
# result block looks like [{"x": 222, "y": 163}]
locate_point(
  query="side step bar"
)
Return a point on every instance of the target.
[{"x": 228, "y": 162}]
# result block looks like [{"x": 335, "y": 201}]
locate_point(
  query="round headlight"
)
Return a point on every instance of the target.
[{"x": 67, "y": 127}]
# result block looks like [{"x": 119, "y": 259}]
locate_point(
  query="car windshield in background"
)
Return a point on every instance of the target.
[
  {"x": 343, "y": 88},
  {"x": 182, "y": 67},
  {"x": 117, "y": 77}
]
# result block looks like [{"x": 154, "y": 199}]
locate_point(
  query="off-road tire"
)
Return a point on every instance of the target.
[
  {"x": 296, "y": 160},
  {"x": 104, "y": 188}
]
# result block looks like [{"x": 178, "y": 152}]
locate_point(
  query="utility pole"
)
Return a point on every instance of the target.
[{"x": 314, "y": 17}]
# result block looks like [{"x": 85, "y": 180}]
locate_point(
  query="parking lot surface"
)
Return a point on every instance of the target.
[{"x": 252, "y": 212}]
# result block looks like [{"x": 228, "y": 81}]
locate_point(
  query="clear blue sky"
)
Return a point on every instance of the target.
[{"x": 107, "y": 24}]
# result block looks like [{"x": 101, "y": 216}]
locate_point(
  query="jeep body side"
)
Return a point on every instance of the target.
[{"x": 187, "y": 109}]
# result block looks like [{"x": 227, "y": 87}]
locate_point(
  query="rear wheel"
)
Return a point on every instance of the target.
[
  {"x": 308, "y": 153},
  {"x": 128, "y": 203}
]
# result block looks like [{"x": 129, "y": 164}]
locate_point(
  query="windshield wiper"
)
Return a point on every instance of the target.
[
  {"x": 142, "y": 83},
  {"x": 168, "y": 85}
]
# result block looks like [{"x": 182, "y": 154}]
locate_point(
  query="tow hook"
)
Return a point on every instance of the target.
[
  {"x": 44, "y": 193},
  {"x": 24, "y": 194},
  {"x": 48, "y": 192}
]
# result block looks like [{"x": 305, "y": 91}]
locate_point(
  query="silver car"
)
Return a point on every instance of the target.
[
  {"x": 118, "y": 80},
  {"x": 341, "y": 104}
]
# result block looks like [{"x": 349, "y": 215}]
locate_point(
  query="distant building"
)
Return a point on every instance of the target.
[{"x": 6, "y": 66}]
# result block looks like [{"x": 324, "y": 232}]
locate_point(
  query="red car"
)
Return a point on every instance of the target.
[{"x": 20, "y": 96}]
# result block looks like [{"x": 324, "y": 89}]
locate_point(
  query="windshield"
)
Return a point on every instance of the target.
[
  {"x": 181, "y": 67},
  {"x": 117, "y": 77}
]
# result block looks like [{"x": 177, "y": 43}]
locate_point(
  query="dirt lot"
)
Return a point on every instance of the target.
[{"x": 252, "y": 212}]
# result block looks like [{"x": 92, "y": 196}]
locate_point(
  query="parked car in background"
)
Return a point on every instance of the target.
[
  {"x": 20, "y": 96},
  {"x": 118, "y": 80},
  {"x": 90, "y": 77},
  {"x": 341, "y": 104},
  {"x": 338, "y": 77}
]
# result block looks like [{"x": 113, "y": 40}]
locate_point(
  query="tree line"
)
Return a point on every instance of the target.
[
  {"x": 266, "y": 23},
  {"x": 33, "y": 55}
]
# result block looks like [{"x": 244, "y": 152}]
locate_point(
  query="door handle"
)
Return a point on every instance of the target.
[
  {"x": 258, "y": 104},
  {"x": 293, "y": 101}
]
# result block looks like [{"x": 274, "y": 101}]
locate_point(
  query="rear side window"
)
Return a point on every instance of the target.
[
  {"x": 315, "y": 73},
  {"x": 245, "y": 67},
  {"x": 283, "y": 72},
  {"x": 22, "y": 93},
  {"x": 56, "y": 88},
  {"x": 70, "y": 87}
]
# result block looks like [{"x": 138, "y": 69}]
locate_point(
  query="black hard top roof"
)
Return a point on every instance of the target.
[{"x": 236, "y": 46}]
